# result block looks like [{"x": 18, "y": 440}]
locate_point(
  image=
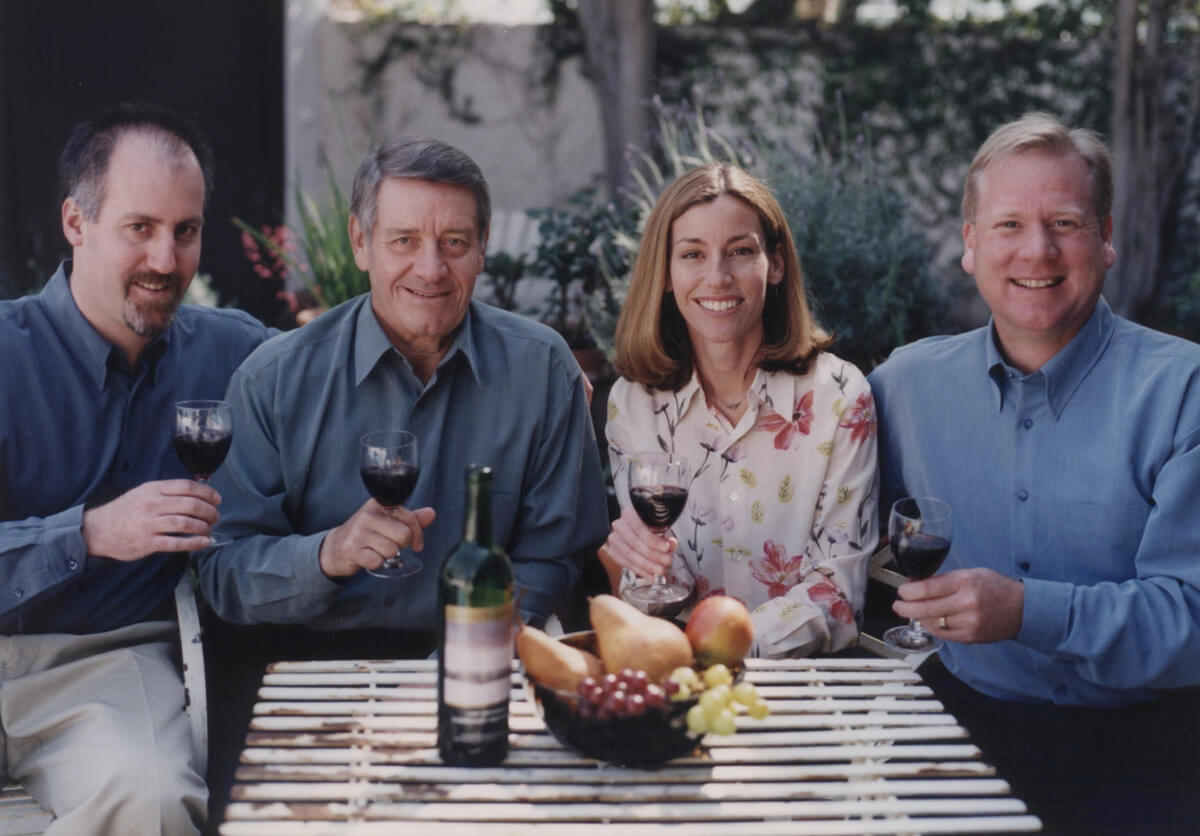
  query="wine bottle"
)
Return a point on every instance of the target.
[{"x": 475, "y": 637}]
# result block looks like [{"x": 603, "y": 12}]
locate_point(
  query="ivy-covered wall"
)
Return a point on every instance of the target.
[{"x": 917, "y": 99}]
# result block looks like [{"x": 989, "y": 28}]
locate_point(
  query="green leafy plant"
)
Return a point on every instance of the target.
[
  {"x": 325, "y": 261},
  {"x": 577, "y": 243}
]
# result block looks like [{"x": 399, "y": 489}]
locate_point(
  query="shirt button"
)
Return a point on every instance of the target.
[
  {"x": 733, "y": 496},
  {"x": 72, "y": 564},
  {"x": 1024, "y": 564},
  {"x": 1027, "y": 423},
  {"x": 20, "y": 593},
  {"x": 1022, "y": 494}
]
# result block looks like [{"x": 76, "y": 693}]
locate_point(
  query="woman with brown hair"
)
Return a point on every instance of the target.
[{"x": 722, "y": 362}]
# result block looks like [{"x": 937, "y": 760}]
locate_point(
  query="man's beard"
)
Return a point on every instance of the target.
[{"x": 146, "y": 318}]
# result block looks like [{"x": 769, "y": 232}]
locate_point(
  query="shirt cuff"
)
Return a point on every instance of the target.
[
  {"x": 62, "y": 539},
  {"x": 1046, "y": 616}
]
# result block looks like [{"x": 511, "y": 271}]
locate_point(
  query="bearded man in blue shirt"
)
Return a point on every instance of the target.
[
  {"x": 97, "y": 512},
  {"x": 1067, "y": 441}
]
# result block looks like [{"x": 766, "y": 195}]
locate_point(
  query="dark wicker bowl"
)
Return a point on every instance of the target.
[{"x": 652, "y": 738}]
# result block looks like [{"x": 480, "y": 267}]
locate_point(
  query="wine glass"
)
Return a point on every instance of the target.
[
  {"x": 203, "y": 433},
  {"x": 919, "y": 532},
  {"x": 389, "y": 468},
  {"x": 658, "y": 490}
]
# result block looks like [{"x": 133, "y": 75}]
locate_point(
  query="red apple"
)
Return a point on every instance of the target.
[{"x": 720, "y": 630}]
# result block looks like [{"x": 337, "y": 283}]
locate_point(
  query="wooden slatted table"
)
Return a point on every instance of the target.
[{"x": 852, "y": 746}]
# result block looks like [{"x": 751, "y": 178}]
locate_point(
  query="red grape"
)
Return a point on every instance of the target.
[{"x": 635, "y": 704}]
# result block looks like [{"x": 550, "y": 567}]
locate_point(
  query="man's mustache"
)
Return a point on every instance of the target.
[{"x": 172, "y": 280}]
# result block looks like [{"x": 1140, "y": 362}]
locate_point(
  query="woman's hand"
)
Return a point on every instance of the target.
[{"x": 633, "y": 545}]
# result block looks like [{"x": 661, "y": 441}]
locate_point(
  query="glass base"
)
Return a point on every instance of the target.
[
  {"x": 665, "y": 600},
  {"x": 909, "y": 639},
  {"x": 397, "y": 567}
]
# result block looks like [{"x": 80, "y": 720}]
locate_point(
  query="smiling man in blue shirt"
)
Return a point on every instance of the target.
[
  {"x": 475, "y": 384},
  {"x": 1067, "y": 441},
  {"x": 96, "y": 512}
]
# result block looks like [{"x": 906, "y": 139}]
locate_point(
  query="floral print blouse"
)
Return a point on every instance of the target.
[{"x": 781, "y": 510}]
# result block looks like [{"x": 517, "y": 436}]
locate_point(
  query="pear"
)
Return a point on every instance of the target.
[
  {"x": 553, "y": 664},
  {"x": 628, "y": 638}
]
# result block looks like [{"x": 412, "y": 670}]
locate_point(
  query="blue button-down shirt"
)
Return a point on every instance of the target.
[
  {"x": 1082, "y": 480},
  {"x": 78, "y": 426},
  {"x": 507, "y": 394}
]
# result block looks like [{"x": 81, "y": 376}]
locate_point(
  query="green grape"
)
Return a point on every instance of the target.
[
  {"x": 759, "y": 709},
  {"x": 684, "y": 692},
  {"x": 686, "y": 676},
  {"x": 724, "y": 691},
  {"x": 723, "y": 722},
  {"x": 745, "y": 693},
  {"x": 697, "y": 720},
  {"x": 717, "y": 674},
  {"x": 714, "y": 701}
]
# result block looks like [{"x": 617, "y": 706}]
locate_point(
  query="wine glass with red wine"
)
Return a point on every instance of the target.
[
  {"x": 658, "y": 490},
  {"x": 203, "y": 433},
  {"x": 919, "y": 532},
  {"x": 389, "y": 467}
]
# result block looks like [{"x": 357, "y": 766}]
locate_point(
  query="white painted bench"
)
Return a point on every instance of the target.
[{"x": 21, "y": 815}]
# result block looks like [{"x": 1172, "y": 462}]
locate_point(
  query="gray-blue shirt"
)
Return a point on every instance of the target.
[
  {"x": 78, "y": 427},
  {"x": 507, "y": 394},
  {"x": 1082, "y": 480}
]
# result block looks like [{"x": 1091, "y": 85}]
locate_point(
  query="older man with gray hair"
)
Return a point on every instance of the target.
[{"x": 475, "y": 385}]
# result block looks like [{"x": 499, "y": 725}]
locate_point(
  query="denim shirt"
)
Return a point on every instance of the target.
[
  {"x": 507, "y": 394},
  {"x": 1082, "y": 481},
  {"x": 78, "y": 427}
]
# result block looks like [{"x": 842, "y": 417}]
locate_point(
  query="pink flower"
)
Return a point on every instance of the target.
[
  {"x": 829, "y": 597},
  {"x": 700, "y": 514},
  {"x": 860, "y": 418},
  {"x": 801, "y": 423},
  {"x": 775, "y": 569}
]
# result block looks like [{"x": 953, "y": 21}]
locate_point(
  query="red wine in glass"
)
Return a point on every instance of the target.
[
  {"x": 919, "y": 532},
  {"x": 659, "y": 505},
  {"x": 201, "y": 456},
  {"x": 203, "y": 433},
  {"x": 920, "y": 555},
  {"x": 658, "y": 491},
  {"x": 390, "y": 487},
  {"x": 389, "y": 466}
]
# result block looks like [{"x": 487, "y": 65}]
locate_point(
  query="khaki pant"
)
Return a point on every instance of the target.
[{"x": 94, "y": 728}]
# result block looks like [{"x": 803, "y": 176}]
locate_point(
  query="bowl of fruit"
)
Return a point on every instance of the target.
[{"x": 634, "y": 691}]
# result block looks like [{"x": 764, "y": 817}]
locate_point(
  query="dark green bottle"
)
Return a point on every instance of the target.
[{"x": 475, "y": 637}]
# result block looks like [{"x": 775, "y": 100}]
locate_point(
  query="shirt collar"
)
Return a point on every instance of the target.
[
  {"x": 93, "y": 352},
  {"x": 772, "y": 389},
  {"x": 372, "y": 344},
  {"x": 1064, "y": 371}
]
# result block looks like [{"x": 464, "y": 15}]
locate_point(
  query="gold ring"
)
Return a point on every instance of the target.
[{"x": 942, "y": 623}]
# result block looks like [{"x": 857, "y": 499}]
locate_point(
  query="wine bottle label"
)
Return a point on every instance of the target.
[{"x": 477, "y": 655}]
